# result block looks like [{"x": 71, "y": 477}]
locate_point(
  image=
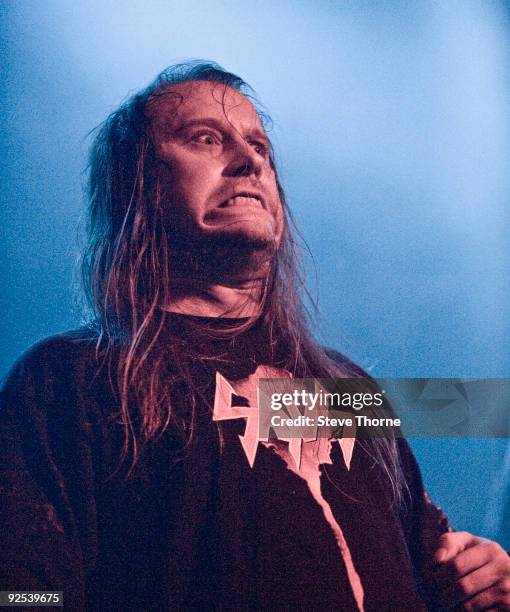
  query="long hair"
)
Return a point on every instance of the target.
[{"x": 126, "y": 274}]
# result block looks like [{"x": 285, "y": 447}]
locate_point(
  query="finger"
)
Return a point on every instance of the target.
[
  {"x": 496, "y": 597},
  {"x": 470, "y": 585},
  {"x": 452, "y": 543},
  {"x": 470, "y": 560}
]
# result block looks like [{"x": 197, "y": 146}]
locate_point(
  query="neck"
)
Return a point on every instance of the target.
[
  {"x": 201, "y": 298},
  {"x": 230, "y": 286}
]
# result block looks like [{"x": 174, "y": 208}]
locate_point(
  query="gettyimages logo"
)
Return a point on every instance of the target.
[
  {"x": 418, "y": 407},
  {"x": 324, "y": 408}
]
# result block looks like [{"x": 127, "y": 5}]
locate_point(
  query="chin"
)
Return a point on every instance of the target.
[
  {"x": 221, "y": 252},
  {"x": 243, "y": 241},
  {"x": 231, "y": 253}
]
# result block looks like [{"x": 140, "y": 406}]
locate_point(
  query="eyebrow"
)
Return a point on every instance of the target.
[{"x": 218, "y": 125}]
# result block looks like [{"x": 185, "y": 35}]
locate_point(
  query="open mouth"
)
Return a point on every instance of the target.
[{"x": 242, "y": 199}]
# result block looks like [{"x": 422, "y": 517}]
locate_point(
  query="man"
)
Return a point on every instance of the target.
[{"x": 127, "y": 480}]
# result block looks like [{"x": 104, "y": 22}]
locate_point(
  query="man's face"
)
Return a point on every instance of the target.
[{"x": 217, "y": 179}]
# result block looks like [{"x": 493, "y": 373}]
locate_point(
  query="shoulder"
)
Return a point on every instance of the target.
[
  {"x": 350, "y": 368},
  {"x": 57, "y": 391},
  {"x": 49, "y": 360}
]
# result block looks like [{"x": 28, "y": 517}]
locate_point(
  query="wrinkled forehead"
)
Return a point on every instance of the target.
[{"x": 173, "y": 105}]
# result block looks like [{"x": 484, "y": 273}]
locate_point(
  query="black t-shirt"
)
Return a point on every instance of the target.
[{"x": 193, "y": 530}]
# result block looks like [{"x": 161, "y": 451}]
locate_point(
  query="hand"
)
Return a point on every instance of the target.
[{"x": 472, "y": 573}]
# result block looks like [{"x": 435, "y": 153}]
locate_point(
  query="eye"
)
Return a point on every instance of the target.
[
  {"x": 206, "y": 138},
  {"x": 260, "y": 147}
]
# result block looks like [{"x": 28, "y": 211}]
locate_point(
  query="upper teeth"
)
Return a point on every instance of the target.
[{"x": 244, "y": 200}]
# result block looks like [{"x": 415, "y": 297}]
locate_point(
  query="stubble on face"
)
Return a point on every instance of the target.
[{"x": 210, "y": 147}]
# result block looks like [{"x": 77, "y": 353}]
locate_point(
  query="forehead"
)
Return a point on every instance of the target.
[{"x": 173, "y": 105}]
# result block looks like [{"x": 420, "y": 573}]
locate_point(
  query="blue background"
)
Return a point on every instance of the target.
[{"x": 392, "y": 129}]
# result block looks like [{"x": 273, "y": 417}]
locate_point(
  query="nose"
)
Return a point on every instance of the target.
[{"x": 245, "y": 161}]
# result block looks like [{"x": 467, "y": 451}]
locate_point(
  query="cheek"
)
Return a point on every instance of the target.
[
  {"x": 175, "y": 179},
  {"x": 191, "y": 176},
  {"x": 279, "y": 215},
  {"x": 277, "y": 206},
  {"x": 280, "y": 223},
  {"x": 185, "y": 194}
]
